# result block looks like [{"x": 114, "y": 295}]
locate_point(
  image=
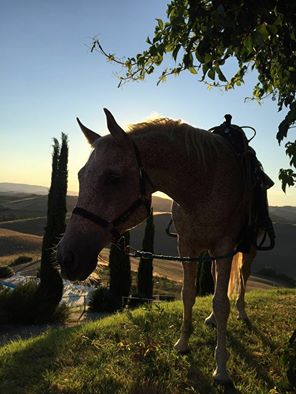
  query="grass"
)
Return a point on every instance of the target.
[{"x": 132, "y": 352}]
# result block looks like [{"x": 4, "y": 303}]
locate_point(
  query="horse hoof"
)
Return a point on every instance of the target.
[
  {"x": 222, "y": 379},
  {"x": 210, "y": 323},
  {"x": 243, "y": 318},
  {"x": 226, "y": 384},
  {"x": 181, "y": 349},
  {"x": 184, "y": 352}
]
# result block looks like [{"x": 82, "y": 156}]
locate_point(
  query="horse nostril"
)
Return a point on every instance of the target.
[{"x": 69, "y": 263}]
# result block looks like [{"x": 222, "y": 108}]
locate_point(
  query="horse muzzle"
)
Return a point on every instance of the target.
[{"x": 74, "y": 264}]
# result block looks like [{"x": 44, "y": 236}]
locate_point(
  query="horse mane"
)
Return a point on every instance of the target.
[{"x": 198, "y": 143}]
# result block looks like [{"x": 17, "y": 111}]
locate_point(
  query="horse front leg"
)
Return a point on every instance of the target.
[
  {"x": 210, "y": 320},
  {"x": 221, "y": 309},
  {"x": 188, "y": 297},
  {"x": 245, "y": 271}
]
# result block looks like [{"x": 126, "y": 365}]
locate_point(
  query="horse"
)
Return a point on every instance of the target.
[{"x": 202, "y": 175}]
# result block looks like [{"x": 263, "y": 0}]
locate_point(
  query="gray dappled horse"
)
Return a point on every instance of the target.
[{"x": 200, "y": 172}]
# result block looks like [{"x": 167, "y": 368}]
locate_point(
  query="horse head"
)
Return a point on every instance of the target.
[{"x": 113, "y": 197}]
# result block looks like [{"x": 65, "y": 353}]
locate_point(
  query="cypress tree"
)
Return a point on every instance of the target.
[
  {"x": 50, "y": 290},
  {"x": 120, "y": 272},
  {"x": 62, "y": 181},
  {"x": 204, "y": 279},
  {"x": 145, "y": 270},
  {"x": 49, "y": 235}
]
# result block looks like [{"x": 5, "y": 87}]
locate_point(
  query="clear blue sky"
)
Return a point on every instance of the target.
[{"x": 48, "y": 77}]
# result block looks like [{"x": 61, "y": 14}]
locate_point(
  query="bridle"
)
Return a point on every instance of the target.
[{"x": 143, "y": 200}]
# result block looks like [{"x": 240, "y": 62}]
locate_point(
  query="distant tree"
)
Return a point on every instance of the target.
[
  {"x": 204, "y": 279},
  {"x": 145, "y": 270},
  {"x": 203, "y": 36},
  {"x": 120, "y": 271},
  {"x": 50, "y": 290}
]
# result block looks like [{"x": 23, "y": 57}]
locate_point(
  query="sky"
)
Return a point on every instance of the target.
[{"x": 48, "y": 76}]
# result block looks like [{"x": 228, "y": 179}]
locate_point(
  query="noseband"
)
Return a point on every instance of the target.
[{"x": 141, "y": 201}]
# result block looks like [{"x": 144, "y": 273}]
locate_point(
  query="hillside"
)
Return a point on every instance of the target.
[
  {"x": 132, "y": 352},
  {"x": 281, "y": 258},
  {"x": 26, "y": 213},
  {"x": 12, "y": 242},
  {"x": 7, "y": 187}
]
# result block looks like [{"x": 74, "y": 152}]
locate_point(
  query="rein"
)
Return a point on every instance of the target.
[
  {"x": 131, "y": 252},
  {"x": 141, "y": 201}
]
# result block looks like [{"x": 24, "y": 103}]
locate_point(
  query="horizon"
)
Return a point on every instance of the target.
[
  {"x": 71, "y": 193},
  {"x": 48, "y": 77}
]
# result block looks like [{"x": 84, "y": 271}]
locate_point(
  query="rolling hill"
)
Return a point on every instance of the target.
[
  {"x": 26, "y": 213},
  {"x": 6, "y": 187},
  {"x": 12, "y": 242}
]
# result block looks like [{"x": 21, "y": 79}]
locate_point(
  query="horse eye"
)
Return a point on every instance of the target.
[{"x": 111, "y": 178}]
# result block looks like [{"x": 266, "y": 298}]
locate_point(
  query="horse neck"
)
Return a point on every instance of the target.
[{"x": 172, "y": 168}]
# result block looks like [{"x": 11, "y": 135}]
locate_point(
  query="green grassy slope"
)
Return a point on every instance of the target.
[{"x": 133, "y": 352}]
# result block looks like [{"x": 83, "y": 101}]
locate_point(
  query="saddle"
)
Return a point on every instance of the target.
[{"x": 256, "y": 183}]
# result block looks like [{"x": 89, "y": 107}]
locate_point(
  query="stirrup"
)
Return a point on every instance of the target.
[
  {"x": 270, "y": 233},
  {"x": 168, "y": 230}
]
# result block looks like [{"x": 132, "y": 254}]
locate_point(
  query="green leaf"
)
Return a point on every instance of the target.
[
  {"x": 211, "y": 74},
  {"x": 192, "y": 70},
  {"x": 208, "y": 58},
  {"x": 221, "y": 75},
  {"x": 187, "y": 60},
  {"x": 160, "y": 23},
  {"x": 291, "y": 152},
  {"x": 175, "y": 51},
  {"x": 170, "y": 47},
  {"x": 289, "y": 120},
  {"x": 287, "y": 177},
  {"x": 148, "y": 41},
  {"x": 262, "y": 30}
]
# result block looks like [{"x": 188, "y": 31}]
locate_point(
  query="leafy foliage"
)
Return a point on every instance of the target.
[
  {"x": 202, "y": 36},
  {"x": 20, "y": 306},
  {"x": 6, "y": 272},
  {"x": 102, "y": 300}
]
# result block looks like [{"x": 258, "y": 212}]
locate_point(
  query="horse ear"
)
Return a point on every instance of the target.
[
  {"x": 115, "y": 130},
  {"x": 90, "y": 135}
]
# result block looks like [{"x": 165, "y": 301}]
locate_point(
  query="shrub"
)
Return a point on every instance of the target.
[
  {"x": 6, "y": 272},
  {"x": 102, "y": 300},
  {"x": 21, "y": 260},
  {"x": 20, "y": 306}
]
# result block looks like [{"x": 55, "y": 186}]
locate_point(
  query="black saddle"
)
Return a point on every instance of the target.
[{"x": 256, "y": 181}]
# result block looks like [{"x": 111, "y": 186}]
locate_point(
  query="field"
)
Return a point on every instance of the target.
[
  {"x": 23, "y": 218},
  {"x": 132, "y": 352},
  {"x": 26, "y": 213}
]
